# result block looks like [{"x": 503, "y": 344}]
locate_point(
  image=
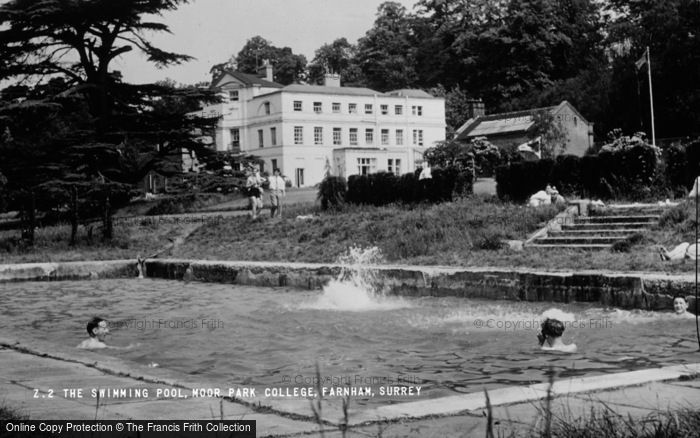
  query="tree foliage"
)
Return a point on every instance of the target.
[
  {"x": 337, "y": 57},
  {"x": 288, "y": 67},
  {"x": 70, "y": 119},
  {"x": 386, "y": 53}
]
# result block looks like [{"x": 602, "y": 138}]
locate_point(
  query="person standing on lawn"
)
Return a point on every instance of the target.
[{"x": 278, "y": 188}]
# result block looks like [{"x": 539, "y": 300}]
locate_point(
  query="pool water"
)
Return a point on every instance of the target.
[{"x": 273, "y": 337}]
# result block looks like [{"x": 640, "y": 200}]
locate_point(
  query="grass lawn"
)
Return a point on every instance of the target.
[{"x": 467, "y": 232}]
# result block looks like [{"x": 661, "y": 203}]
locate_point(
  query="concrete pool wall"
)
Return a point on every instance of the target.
[{"x": 648, "y": 291}]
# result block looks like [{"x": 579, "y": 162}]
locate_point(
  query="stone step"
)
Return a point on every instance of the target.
[
  {"x": 618, "y": 232},
  {"x": 603, "y": 240},
  {"x": 616, "y": 219},
  {"x": 611, "y": 226},
  {"x": 630, "y": 212},
  {"x": 568, "y": 246}
]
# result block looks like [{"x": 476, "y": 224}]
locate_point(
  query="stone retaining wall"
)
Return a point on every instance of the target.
[{"x": 640, "y": 291}]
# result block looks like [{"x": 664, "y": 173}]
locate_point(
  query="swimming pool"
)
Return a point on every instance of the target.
[{"x": 273, "y": 337}]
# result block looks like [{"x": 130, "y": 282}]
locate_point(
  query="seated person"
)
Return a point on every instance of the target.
[
  {"x": 97, "y": 329},
  {"x": 550, "y": 337},
  {"x": 682, "y": 251},
  {"x": 554, "y": 195},
  {"x": 540, "y": 198},
  {"x": 680, "y": 306}
]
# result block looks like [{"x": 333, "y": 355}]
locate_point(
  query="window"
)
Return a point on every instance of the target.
[
  {"x": 273, "y": 136},
  {"x": 267, "y": 107},
  {"x": 318, "y": 135},
  {"x": 399, "y": 137},
  {"x": 398, "y": 110},
  {"x": 384, "y": 109},
  {"x": 385, "y": 136},
  {"x": 274, "y": 164},
  {"x": 575, "y": 121},
  {"x": 261, "y": 142},
  {"x": 337, "y": 132},
  {"x": 394, "y": 166},
  {"x": 233, "y": 96},
  {"x": 352, "y": 108},
  {"x": 365, "y": 166},
  {"x": 417, "y": 110},
  {"x": 368, "y": 108},
  {"x": 336, "y": 107},
  {"x": 369, "y": 136},
  {"x": 353, "y": 136},
  {"x": 318, "y": 107},
  {"x": 235, "y": 137},
  {"x": 418, "y": 137},
  {"x": 297, "y": 105},
  {"x": 298, "y": 135}
]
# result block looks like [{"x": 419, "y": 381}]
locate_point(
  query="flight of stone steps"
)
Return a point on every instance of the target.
[{"x": 602, "y": 228}]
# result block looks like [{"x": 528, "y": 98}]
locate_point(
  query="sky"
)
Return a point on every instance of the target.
[{"x": 213, "y": 30}]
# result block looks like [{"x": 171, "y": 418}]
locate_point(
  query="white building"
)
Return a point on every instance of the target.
[{"x": 309, "y": 130}]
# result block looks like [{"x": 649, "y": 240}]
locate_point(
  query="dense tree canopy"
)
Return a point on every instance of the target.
[
  {"x": 337, "y": 57},
  {"x": 288, "y": 67},
  {"x": 70, "y": 120},
  {"x": 517, "y": 54},
  {"x": 386, "y": 53}
]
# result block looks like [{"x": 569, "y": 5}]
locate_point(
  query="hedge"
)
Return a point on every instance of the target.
[
  {"x": 634, "y": 171},
  {"x": 384, "y": 188}
]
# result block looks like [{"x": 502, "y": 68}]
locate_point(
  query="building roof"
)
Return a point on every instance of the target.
[
  {"x": 322, "y": 89},
  {"x": 409, "y": 92},
  {"x": 513, "y": 122},
  {"x": 246, "y": 79}
]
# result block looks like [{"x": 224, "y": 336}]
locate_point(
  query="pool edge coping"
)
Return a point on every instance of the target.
[{"x": 462, "y": 404}]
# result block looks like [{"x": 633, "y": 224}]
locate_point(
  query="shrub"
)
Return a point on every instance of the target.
[
  {"x": 566, "y": 175},
  {"x": 490, "y": 238},
  {"x": 384, "y": 188},
  {"x": 332, "y": 191},
  {"x": 677, "y": 162},
  {"x": 519, "y": 180}
]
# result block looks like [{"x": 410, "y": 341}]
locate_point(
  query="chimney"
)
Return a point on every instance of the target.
[
  {"x": 331, "y": 80},
  {"x": 475, "y": 108},
  {"x": 268, "y": 70}
]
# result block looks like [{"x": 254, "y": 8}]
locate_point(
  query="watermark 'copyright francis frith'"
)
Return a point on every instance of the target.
[
  {"x": 536, "y": 324},
  {"x": 161, "y": 324}
]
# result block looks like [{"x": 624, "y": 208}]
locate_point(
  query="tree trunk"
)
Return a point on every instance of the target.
[
  {"x": 107, "y": 229},
  {"x": 73, "y": 216}
]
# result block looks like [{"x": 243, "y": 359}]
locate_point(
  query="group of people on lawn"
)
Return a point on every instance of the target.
[{"x": 254, "y": 190}]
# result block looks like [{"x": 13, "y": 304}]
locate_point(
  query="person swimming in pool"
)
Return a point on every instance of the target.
[
  {"x": 550, "y": 337},
  {"x": 680, "y": 306},
  {"x": 97, "y": 329}
]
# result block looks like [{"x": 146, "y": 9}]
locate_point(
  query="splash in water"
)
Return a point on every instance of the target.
[{"x": 356, "y": 288}]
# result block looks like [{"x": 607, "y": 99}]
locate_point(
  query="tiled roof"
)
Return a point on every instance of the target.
[
  {"x": 248, "y": 79},
  {"x": 504, "y": 123},
  {"x": 320, "y": 89}
]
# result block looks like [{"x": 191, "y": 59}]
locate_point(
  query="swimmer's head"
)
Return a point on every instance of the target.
[
  {"x": 552, "y": 328},
  {"x": 680, "y": 305},
  {"x": 97, "y": 327}
]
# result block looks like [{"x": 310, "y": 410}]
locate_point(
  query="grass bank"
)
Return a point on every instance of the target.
[
  {"x": 426, "y": 234},
  {"x": 130, "y": 239},
  {"x": 468, "y": 232}
]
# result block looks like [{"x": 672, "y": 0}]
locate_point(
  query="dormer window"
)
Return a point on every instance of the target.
[{"x": 233, "y": 95}]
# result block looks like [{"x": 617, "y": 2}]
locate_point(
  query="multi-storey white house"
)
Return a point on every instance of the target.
[{"x": 307, "y": 130}]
